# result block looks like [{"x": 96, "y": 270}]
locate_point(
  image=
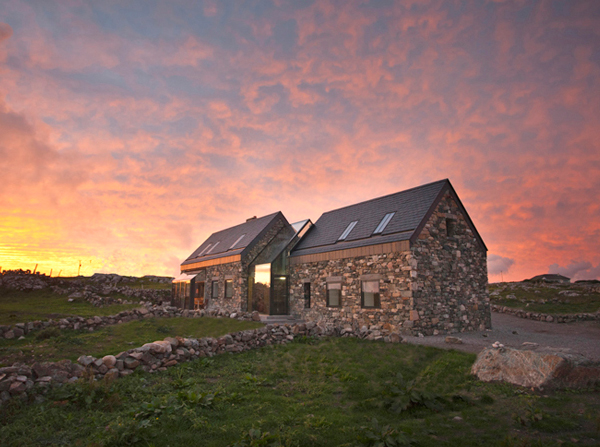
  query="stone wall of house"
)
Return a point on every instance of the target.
[
  {"x": 238, "y": 272},
  {"x": 438, "y": 287},
  {"x": 449, "y": 279},
  {"x": 219, "y": 273},
  {"x": 393, "y": 270}
]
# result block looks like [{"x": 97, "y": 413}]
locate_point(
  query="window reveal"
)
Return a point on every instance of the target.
[
  {"x": 334, "y": 294},
  {"x": 228, "y": 288},
  {"x": 306, "y": 295},
  {"x": 370, "y": 294}
]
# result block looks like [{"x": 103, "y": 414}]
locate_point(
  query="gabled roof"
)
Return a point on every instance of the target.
[
  {"x": 234, "y": 240},
  {"x": 411, "y": 209}
]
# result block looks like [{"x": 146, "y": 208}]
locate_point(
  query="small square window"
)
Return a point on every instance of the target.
[
  {"x": 334, "y": 294},
  {"x": 228, "y": 288},
  {"x": 307, "y": 295},
  {"x": 370, "y": 294},
  {"x": 215, "y": 289}
]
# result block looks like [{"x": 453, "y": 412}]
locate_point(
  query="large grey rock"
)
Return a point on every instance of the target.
[{"x": 539, "y": 369}]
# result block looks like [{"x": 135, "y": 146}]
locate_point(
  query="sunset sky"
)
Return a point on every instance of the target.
[{"x": 132, "y": 130}]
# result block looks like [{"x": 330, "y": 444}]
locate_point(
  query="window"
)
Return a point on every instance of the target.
[
  {"x": 228, "y": 288},
  {"x": 370, "y": 294},
  {"x": 347, "y": 231},
  {"x": 237, "y": 241},
  {"x": 307, "y": 295},
  {"x": 450, "y": 227},
  {"x": 334, "y": 294},
  {"x": 205, "y": 248},
  {"x": 386, "y": 220},
  {"x": 215, "y": 289},
  {"x": 212, "y": 248}
]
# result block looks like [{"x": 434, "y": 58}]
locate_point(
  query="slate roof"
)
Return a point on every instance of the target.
[
  {"x": 412, "y": 208},
  {"x": 251, "y": 229}
]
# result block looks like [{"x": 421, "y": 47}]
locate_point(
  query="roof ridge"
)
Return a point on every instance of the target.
[
  {"x": 247, "y": 222},
  {"x": 387, "y": 195}
]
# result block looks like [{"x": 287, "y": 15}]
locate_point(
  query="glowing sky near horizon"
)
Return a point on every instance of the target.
[{"x": 131, "y": 130}]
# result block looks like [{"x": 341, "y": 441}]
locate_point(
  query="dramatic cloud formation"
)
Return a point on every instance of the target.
[
  {"x": 499, "y": 265},
  {"x": 128, "y": 133}
]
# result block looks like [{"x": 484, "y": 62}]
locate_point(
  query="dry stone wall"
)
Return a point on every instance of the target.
[
  {"x": 537, "y": 316},
  {"x": 21, "y": 380},
  {"x": 92, "y": 323}
]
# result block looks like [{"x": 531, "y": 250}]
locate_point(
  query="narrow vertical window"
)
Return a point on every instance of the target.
[
  {"x": 370, "y": 294},
  {"x": 307, "y": 295},
  {"x": 228, "y": 288},
  {"x": 215, "y": 289},
  {"x": 450, "y": 227},
  {"x": 334, "y": 294}
]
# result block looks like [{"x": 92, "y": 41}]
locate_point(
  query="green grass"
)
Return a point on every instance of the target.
[
  {"x": 24, "y": 306},
  {"x": 69, "y": 344},
  {"x": 538, "y": 298},
  {"x": 137, "y": 283},
  {"x": 307, "y": 393}
]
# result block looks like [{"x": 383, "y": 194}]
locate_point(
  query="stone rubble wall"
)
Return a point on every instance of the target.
[
  {"x": 554, "y": 318},
  {"x": 449, "y": 285},
  {"x": 92, "y": 323},
  {"x": 21, "y": 380},
  {"x": 437, "y": 287},
  {"x": 395, "y": 293},
  {"x": 233, "y": 271}
]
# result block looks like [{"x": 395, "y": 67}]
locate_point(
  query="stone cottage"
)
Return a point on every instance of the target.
[
  {"x": 241, "y": 268},
  {"x": 411, "y": 261}
]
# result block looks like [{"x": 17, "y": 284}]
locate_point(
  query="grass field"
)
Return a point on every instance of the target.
[
  {"x": 137, "y": 283},
  {"x": 54, "y": 344},
  {"x": 23, "y": 306},
  {"x": 307, "y": 393},
  {"x": 545, "y": 299}
]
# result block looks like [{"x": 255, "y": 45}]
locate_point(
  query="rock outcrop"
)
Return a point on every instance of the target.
[{"x": 543, "y": 368}]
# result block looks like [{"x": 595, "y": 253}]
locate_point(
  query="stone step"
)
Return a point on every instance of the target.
[{"x": 279, "y": 319}]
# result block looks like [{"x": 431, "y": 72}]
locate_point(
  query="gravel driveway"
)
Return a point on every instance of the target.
[{"x": 582, "y": 338}]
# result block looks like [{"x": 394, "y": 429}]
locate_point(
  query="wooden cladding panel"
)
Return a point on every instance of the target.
[
  {"x": 369, "y": 250},
  {"x": 210, "y": 262}
]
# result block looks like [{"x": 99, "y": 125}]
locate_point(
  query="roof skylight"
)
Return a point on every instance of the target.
[
  {"x": 348, "y": 229},
  {"x": 205, "y": 248},
  {"x": 237, "y": 241},
  {"x": 212, "y": 248},
  {"x": 386, "y": 220}
]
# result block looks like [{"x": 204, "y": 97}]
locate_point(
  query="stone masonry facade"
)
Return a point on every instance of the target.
[
  {"x": 450, "y": 286},
  {"x": 238, "y": 273},
  {"x": 438, "y": 286}
]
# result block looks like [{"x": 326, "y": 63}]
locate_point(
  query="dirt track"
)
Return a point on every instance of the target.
[{"x": 582, "y": 338}]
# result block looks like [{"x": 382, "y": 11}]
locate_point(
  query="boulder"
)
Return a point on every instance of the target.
[
  {"x": 545, "y": 368},
  {"x": 109, "y": 360}
]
